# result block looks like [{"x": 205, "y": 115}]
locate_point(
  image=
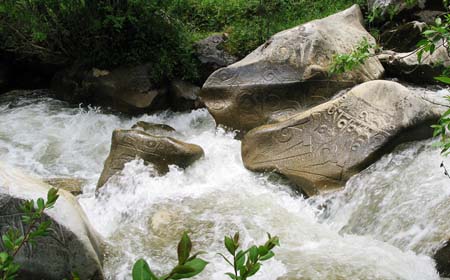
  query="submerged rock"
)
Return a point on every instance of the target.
[
  {"x": 323, "y": 147},
  {"x": 126, "y": 89},
  {"x": 72, "y": 185},
  {"x": 72, "y": 246},
  {"x": 406, "y": 66},
  {"x": 442, "y": 259},
  {"x": 128, "y": 145},
  {"x": 289, "y": 72},
  {"x": 156, "y": 129}
]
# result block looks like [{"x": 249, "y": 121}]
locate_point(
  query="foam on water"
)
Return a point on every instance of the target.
[{"x": 141, "y": 215}]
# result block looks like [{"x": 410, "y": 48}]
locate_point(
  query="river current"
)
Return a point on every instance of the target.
[{"x": 385, "y": 224}]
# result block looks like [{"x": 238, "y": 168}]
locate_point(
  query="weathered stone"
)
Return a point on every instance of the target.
[
  {"x": 406, "y": 66},
  {"x": 160, "y": 151},
  {"x": 127, "y": 89},
  {"x": 427, "y": 16},
  {"x": 72, "y": 185},
  {"x": 442, "y": 259},
  {"x": 211, "y": 54},
  {"x": 321, "y": 148},
  {"x": 72, "y": 246},
  {"x": 184, "y": 96},
  {"x": 403, "y": 38},
  {"x": 155, "y": 129},
  {"x": 400, "y": 6},
  {"x": 289, "y": 72}
]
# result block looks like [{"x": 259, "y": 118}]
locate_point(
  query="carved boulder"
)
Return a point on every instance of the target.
[
  {"x": 321, "y": 148},
  {"x": 72, "y": 246},
  {"x": 160, "y": 151},
  {"x": 289, "y": 72}
]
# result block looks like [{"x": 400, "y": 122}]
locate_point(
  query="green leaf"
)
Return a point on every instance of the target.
[
  {"x": 267, "y": 256},
  {"x": 253, "y": 269},
  {"x": 229, "y": 244},
  {"x": 41, "y": 204},
  {"x": 184, "y": 248},
  {"x": 182, "y": 269},
  {"x": 141, "y": 271},
  {"x": 231, "y": 275},
  {"x": 197, "y": 265},
  {"x": 443, "y": 79},
  {"x": 253, "y": 254}
]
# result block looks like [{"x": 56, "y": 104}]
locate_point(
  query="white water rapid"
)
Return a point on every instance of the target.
[{"x": 384, "y": 225}]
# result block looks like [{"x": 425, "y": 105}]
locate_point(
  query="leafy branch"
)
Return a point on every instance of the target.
[{"x": 14, "y": 240}]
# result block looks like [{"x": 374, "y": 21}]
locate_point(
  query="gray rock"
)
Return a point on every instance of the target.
[
  {"x": 289, "y": 72},
  {"x": 403, "y": 38},
  {"x": 73, "y": 246},
  {"x": 323, "y": 147},
  {"x": 126, "y": 89},
  {"x": 406, "y": 66},
  {"x": 72, "y": 185},
  {"x": 211, "y": 54},
  {"x": 161, "y": 152},
  {"x": 184, "y": 96}
]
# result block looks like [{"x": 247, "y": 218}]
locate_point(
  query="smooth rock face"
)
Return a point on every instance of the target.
[
  {"x": 160, "y": 151},
  {"x": 289, "y": 72},
  {"x": 211, "y": 54},
  {"x": 184, "y": 96},
  {"x": 442, "y": 258},
  {"x": 127, "y": 89},
  {"x": 403, "y": 38},
  {"x": 156, "y": 129},
  {"x": 72, "y": 247},
  {"x": 323, "y": 147},
  {"x": 407, "y": 67}
]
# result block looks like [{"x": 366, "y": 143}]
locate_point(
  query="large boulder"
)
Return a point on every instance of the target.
[
  {"x": 321, "y": 148},
  {"x": 72, "y": 246},
  {"x": 289, "y": 72},
  {"x": 406, "y": 66},
  {"x": 160, "y": 151},
  {"x": 212, "y": 55},
  {"x": 442, "y": 259},
  {"x": 126, "y": 89}
]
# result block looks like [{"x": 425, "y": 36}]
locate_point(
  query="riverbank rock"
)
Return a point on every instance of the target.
[
  {"x": 156, "y": 129},
  {"x": 184, "y": 96},
  {"x": 72, "y": 246},
  {"x": 158, "y": 150},
  {"x": 321, "y": 148},
  {"x": 289, "y": 72},
  {"x": 406, "y": 66},
  {"x": 402, "y": 6},
  {"x": 442, "y": 259},
  {"x": 72, "y": 185},
  {"x": 212, "y": 55},
  {"x": 403, "y": 38},
  {"x": 126, "y": 89}
]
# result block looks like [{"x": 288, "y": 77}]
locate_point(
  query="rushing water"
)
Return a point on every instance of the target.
[{"x": 384, "y": 225}]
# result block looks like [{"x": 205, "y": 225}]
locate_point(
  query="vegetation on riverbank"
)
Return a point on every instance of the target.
[{"x": 109, "y": 33}]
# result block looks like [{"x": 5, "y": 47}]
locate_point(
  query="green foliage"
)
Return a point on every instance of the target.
[
  {"x": 346, "y": 62},
  {"x": 13, "y": 240},
  {"x": 188, "y": 265},
  {"x": 247, "y": 263}
]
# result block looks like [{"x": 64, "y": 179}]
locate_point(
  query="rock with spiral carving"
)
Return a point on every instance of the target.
[
  {"x": 289, "y": 72},
  {"x": 320, "y": 149},
  {"x": 160, "y": 151},
  {"x": 71, "y": 246}
]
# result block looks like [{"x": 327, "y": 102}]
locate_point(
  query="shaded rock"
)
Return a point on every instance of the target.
[
  {"x": 160, "y": 151},
  {"x": 321, "y": 148},
  {"x": 72, "y": 246},
  {"x": 406, "y": 66},
  {"x": 427, "y": 16},
  {"x": 184, "y": 96},
  {"x": 126, "y": 89},
  {"x": 404, "y": 7},
  {"x": 155, "y": 129},
  {"x": 72, "y": 185},
  {"x": 442, "y": 259},
  {"x": 211, "y": 54},
  {"x": 289, "y": 72},
  {"x": 403, "y": 38}
]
